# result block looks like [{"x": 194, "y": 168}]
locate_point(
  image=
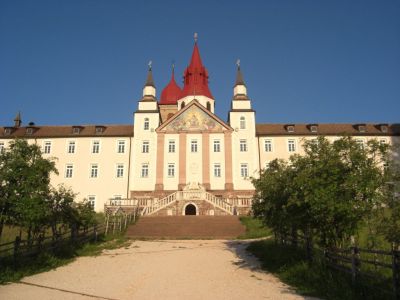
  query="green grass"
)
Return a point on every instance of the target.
[
  {"x": 290, "y": 265},
  {"x": 47, "y": 261},
  {"x": 254, "y": 228}
]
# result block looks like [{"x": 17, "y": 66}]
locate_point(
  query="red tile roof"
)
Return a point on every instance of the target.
[
  {"x": 327, "y": 129},
  {"x": 67, "y": 131}
]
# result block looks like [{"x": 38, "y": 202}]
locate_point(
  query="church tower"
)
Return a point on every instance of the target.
[
  {"x": 195, "y": 83},
  {"x": 144, "y": 147},
  {"x": 242, "y": 119}
]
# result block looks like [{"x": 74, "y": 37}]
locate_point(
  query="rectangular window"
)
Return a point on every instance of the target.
[
  {"x": 267, "y": 164},
  {"x": 268, "y": 145},
  {"x": 217, "y": 146},
  {"x": 92, "y": 201},
  {"x": 243, "y": 146},
  {"x": 95, "y": 146},
  {"x": 171, "y": 170},
  {"x": 1, "y": 147},
  {"x": 121, "y": 147},
  {"x": 146, "y": 124},
  {"x": 291, "y": 146},
  {"x": 120, "y": 170},
  {"x": 47, "y": 147},
  {"x": 217, "y": 170},
  {"x": 193, "y": 146},
  {"x": 94, "y": 171},
  {"x": 145, "y": 147},
  {"x": 171, "y": 146},
  {"x": 145, "y": 170},
  {"x": 71, "y": 147},
  {"x": 244, "y": 170},
  {"x": 69, "y": 169}
]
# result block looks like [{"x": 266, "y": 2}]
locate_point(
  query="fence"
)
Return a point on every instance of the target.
[
  {"x": 29, "y": 248},
  {"x": 360, "y": 263}
]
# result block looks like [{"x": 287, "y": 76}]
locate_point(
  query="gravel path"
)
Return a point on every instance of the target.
[{"x": 188, "y": 269}]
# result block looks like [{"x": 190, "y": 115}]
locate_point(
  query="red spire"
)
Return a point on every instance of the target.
[
  {"x": 171, "y": 92},
  {"x": 195, "y": 77}
]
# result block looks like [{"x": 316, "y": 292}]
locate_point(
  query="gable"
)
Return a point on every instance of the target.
[{"x": 194, "y": 118}]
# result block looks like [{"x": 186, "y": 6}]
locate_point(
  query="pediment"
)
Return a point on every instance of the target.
[{"x": 194, "y": 118}]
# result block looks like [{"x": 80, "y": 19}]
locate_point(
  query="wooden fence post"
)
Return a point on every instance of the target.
[
  {"x": 396, "y": 271},
  {"x": 354, "y": 260},
  {"x": 107, "y": 221},
  {"x": 17, "y": 243},
  {"x": 309, "y": 246},
  {"x": 95, "y": 233},
  {"x": 294, "y": 237}
]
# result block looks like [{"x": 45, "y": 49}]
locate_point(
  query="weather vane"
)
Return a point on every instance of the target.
[
  {"x": 195, "y": 37},
  {"x": 150, "y": 63}
]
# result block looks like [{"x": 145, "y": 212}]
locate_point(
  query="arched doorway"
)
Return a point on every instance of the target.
[{"x": 190, "y": 210}]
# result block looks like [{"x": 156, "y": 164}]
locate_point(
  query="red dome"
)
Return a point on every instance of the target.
[{"x": 171, "y": 92}]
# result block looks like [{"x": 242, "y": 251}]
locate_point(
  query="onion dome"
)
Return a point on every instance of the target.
[
  {"x": 195, "y": 77},
  {"x": 171, "y": 92}
]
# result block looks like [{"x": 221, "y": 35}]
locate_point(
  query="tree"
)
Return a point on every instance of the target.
[
  {"x": 328, "y": 192},
  {"x": 25, "y": 181},
  {"x": 272, "y": 196},
  {"x": 390, "y": 222},
  {"x": 60, "y": 207}
]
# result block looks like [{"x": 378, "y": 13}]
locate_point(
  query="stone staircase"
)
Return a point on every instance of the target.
[
  {"x": 201, "y": 195},
  {"x": 183, "y": 227}
]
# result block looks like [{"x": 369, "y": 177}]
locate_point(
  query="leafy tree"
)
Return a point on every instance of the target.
[
  {"x": 390, "y": 222},
  {"x": 25, "y": 181},
  {"x": 272, "y": 196},
  {"x": 327, "y": 192},
  {"x": 60, "y": 207}
]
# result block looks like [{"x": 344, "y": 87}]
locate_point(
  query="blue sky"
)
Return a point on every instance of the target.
[{"x": 85, "y": 61}]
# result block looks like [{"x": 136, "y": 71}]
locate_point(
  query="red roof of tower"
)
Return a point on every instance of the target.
[
  {"x": 171, "y": 93},
  {"x": 195, "y": 77}
]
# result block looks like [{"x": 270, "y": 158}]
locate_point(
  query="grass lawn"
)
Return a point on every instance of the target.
[
  {"x": 290, "y": 265},
  {"x": 254, "y": 228}
]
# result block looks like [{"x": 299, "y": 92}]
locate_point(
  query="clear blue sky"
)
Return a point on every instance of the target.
[{"x": 85, "y": 61}]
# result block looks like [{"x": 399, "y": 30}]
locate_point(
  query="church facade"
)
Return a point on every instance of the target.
[{"x": 178, "y": 157}]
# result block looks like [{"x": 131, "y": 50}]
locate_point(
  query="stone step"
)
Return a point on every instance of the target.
[{"x": 178, "y": 227}]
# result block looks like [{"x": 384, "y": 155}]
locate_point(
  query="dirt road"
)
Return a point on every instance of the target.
[{"x": 188, "y": 269}]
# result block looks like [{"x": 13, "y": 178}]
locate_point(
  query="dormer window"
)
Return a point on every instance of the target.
[
  {"x": 99, "y": 129},
  {"x": 361, "y": 128},
  {"x": 384, "y": 128},
  {"x": 29, "y": 131},
  {"x": 314, "y": 128},
  {"x": 290, "y": 128},
  {"x": 76, "y": 130},
  {"x": 7, "y": 131}
]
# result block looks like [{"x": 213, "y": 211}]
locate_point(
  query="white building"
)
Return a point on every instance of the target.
[{"x": 178, "y": 157}]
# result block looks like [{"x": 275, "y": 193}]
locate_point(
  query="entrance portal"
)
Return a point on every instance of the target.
[{"x": 190, "y": 210}]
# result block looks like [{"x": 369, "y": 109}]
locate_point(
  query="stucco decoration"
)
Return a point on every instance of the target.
[{"x": 194, "y": 119}]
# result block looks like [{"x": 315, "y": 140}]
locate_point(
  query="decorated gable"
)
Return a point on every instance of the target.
[{"x": 194, "y": 119}]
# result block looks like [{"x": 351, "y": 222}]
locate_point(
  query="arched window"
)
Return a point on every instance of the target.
[
  {"x": 170, "y": 115},
  {"x": 242, "y": 123},
  {"x": 146, "y": 124},
  {"x": 208, "y": 106},
  {"x": 182, "y": 105}
]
